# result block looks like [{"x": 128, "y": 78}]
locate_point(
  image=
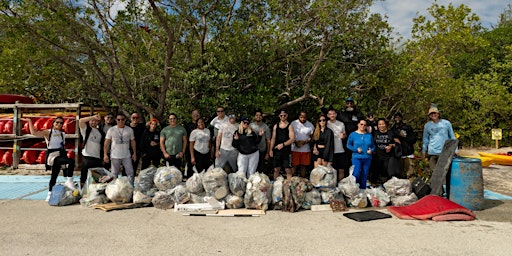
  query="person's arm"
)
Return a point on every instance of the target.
[
  {"x": 162, "y": 146},
  {"x": 43, "y": 133},
  {"x": 291, "y": 135},
  {"x": 191, "y": 149},
  {"x": 82, "y": 123},
  {"x": 218, "y": 141},
  {"x": 106, "y": 146},
  {"x": 425, "y": 141},
  {"x": 272, "y": 141},
  {"x": 184, "y": 141},
  {"x": 350, "y": 144},
  {"x": 134, "y": 148}
]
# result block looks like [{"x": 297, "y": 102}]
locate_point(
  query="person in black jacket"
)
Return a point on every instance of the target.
[
  {"x": 150, "y": 145},
  {"x": 408, "y": 137},
  {"x": 350, "y": 117},
  {"x": 323, "y": 143},
  {"x": 246, "y": 141}
]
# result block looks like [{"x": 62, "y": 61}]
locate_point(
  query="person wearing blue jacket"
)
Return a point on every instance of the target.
[
  {"x": 435, "y": 134},
  {"x": 362, "y": 146}
]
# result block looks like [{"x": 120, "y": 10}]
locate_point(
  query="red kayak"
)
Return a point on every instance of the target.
[{"x": 12, "y": 98}]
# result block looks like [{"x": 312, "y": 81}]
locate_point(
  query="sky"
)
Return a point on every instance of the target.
[{"x": 401, "y": 12}]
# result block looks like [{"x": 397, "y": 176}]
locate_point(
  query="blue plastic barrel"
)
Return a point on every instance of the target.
[{"x": 467, "y": 183}]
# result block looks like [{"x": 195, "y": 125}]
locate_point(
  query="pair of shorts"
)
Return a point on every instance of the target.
[
  {"x": 301, "y": 158},
  {"x": 338, "y": 161},
  {"x": 282, "y": 159}
]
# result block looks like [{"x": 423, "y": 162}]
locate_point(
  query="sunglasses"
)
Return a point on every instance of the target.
[
  {"x": 172, "y": 118},
  {"x": 220, "y": 111},
  {"x": 362, "y": 124},
  {"x": 282, "y": 115},
  {"x": 59, "y": 122},
  {"x": 120, "y": 119},
  {"x": 322, "y": 120}
]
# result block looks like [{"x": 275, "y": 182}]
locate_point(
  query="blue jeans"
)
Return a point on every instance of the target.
[{"x": 361, "y": 169}]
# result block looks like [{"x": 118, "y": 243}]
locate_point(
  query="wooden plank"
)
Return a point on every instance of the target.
[
  {"x": 443, "y": 165},
  {"x": 242, "y": 212},
  {"x": 321, "y": 208},
  {"x": 115, "y": 206}
]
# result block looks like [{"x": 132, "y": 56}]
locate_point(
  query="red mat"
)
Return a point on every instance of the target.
[{"x": 432, "y": 207}]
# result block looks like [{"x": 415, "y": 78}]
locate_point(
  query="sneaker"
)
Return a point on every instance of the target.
[
  {"x": 48, "y": 196},
  {"x": 70, "y": 185}
]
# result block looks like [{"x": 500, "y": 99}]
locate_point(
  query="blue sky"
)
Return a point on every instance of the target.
[{"x": 401, "y": 12}]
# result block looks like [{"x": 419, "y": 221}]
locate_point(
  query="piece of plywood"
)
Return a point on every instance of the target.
[
  {"x": 242, "y": 212},
  {"x": 115, "y": 206},
  {"x": 321, "y": 208},
  {"x": 443, "y": 165}
]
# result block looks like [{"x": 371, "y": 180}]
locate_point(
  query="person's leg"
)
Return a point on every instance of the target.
[
  {"x": 365, "y": 168},
  {"x": 287, "y": 165},
  {"x": 253, "y": 163},
  {"x": 128, "y": 169},
  {"x": 115, "y": 164},
  {"x": 146, "y": 161},
  {"x": 54, "y": 175},
  {"x": 242, "y": 162},
  {"x": 233, "y": 159},
  {"x": 86, "y": 163},
  {"x": 357, "y": 168}
]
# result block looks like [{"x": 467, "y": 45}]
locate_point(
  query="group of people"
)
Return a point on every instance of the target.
[{"x": 340, "y": 139}]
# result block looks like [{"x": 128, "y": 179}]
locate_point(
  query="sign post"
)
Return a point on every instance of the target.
[{"x": 496, "y": 135}]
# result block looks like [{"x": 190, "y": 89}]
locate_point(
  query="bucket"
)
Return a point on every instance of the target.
[{"x": 467, "y": 183}]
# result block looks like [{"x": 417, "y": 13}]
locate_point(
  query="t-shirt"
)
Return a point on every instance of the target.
[
  {"x": 120, "y": 141},
  {"x": 201, "y": 139},
  {"x": 435, "y": 135},
  {"x": 216, "y": 123},
  {"x": 382, "y": 140},
  {"x": 56, "y": 140},
  {"x": 262, "y": 145},
  {"x": 227, "y": 130},
  {"x": 336, "y": 128},
  {"x": 303, "y": 131},
  {"x": 173, "y": 139},
  {"x": 93, "y": 146}
]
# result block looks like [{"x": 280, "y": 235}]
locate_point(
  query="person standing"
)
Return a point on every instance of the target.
[
  {"x": 361, "y": 144},
  {"x": 56, "y": 156},
  {"x": 173, "y": 142},
  {"x": 150, "y": 145},
  {"x": 200, "y": 155},
  {"x": 224, "y": 150},
  {"x": 138, "y": 129},
  {"x": 301, "y": 150},
  {"x": 385, "y": 145},
  {"x": 109, "y": 121},
  {"x": 120, "y": 139},
  {"x": 218, "y": 121},
  {"x": 282, "y": 139},
  {"x": 323, "y": 143},
  {"x": 435, "y": 133},
  {"x": 408, "y": 137},
  {"x": 246, "y": 141},
  {"x": 339, "y": 133},
  {"x": 264, "y": 145},
  {"x": 350, "y": 117},
  {"x": 92, "y": 145},
  {"x": 372, "y": 123},
  {"x": 189, "y": 127}
]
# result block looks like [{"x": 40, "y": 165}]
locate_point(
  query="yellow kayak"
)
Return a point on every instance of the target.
[{"x": 497, "y": 158}]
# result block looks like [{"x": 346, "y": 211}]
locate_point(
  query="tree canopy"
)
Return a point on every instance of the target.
[{"x": 157, "y": 57}]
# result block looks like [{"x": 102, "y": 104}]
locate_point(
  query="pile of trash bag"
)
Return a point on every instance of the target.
[
  {"x": 62, "y": 195},
  {"x": 323, "y": 177},
  {"x": 167, "y": 177},
  {"x": 145, "y": 188},
  {"x": 312, "y": 197},
  {"x": 277, "y": 193},
  {"x": 400, "y": 191},
  {"x": 120, "y": 190},
  {"x": 355, "y": 197},
  {"x": 163, "y": 200},
  {"x": 378, "y": 197},
  {"x": 215, "y": 183},
  {"x": 294, "y": 193},
  {"x": 258, "y": 193}
]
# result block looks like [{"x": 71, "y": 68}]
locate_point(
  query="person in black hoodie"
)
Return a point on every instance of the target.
[
  {"x": 350, "y": 117},
  {"x": 150, "y": 145},
  {"x": 246, "y": 141},
  {"x": 408, "y": 137}
]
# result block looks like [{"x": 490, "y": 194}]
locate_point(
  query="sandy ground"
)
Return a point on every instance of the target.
[{"x": 33, "y": 228}]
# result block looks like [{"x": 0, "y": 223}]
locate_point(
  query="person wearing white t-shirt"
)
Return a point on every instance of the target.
[
  {"x": 119, "y": 138},
  {"x": 301, "y": 150},
  {"x": 225, "y": 152},
  {"x": 92, "y": 145},
  {"x": 338, "y": 129},
  {"x": 200, "y": 146}
]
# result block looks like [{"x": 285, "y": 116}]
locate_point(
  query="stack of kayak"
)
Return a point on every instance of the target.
[{"x": 498, "y": 158}]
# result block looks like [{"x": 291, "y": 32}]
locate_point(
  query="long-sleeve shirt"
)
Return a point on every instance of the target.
[
  {"x": 435, "y": 135},
  {"x": 362, "y": 141},
  {"x": 246, "y": 143}
]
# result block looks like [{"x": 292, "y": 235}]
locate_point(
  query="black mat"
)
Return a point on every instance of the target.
[{"x": 367, "y": 215}]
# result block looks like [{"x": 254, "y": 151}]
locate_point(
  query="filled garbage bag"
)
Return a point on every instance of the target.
[
  {"x": 277, "y": 193},
  {"x": 194, "y": 184},
  {"x": 96, "y": 195},
  {"x": 120, "y": 190},
  {"x": 237, "y": 184},
  {"x": 96, "y": 175},
  {"x": 378, "y": 197},
  {"x": 146, "y": 180},
  {"x": 163, "y": 200},
  {"x": 197, "y": 198},
  {"x": 215, "y": 183},
  {"x": 404, "y": 200},
  {"x": 398, "y": 187},
  {"x": 312, "y": 197},
  {"x": 360, "y": 200},
  {"x": 234, "y": 201},
  {"x": 332, "y": 194},
  {"x": 62, "y": 195},
  {"x": 258, "y": 193},
  {"x": 348, "y": 186},
  {"x": 323, "y": 177},
  {"x": 294, "y": 193},
  {"x": 167, "y": 177},
  {"x": 180, "y": 194}
]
